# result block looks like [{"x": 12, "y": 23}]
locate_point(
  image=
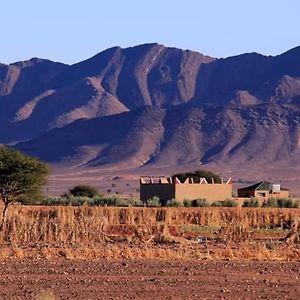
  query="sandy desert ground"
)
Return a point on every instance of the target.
[{"x": 126, "y": 181}]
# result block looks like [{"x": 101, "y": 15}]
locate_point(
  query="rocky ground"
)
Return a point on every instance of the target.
[{"x": 148, "y": 279}]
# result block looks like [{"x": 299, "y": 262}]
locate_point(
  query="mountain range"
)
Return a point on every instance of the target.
[{"x": 152, "y": 105}]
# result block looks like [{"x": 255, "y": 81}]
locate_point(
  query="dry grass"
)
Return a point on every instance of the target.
[{"x": 94, "y": 232}]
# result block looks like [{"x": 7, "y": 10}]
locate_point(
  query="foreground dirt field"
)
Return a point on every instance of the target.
[{"x": 148, "y": 279}]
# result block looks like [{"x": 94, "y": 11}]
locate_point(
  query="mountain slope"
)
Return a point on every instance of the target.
[
  {"x": 152, "y": 105},
  {"x": 113, "y": 81},
  {"x": 262, "y": 134}
]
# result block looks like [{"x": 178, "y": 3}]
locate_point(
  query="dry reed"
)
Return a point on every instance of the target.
[{"x": 90, "y": 232}]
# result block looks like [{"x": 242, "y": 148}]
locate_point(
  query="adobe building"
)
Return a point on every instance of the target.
[
  {"x": 265, "y": 190},
  {"x": 168, "y": 188}
]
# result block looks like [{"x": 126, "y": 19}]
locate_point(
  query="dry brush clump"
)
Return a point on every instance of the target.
[{"x": 105, "y": 231}]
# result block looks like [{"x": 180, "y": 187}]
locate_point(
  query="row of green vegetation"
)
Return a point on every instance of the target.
[
  {"x": 272, "y": 202},
  {"x": 117, "y": 201},
  {"x": 114, "y": 200},
  {"x": 79, "y": 201}
]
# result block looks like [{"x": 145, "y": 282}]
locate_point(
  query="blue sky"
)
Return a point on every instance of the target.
[{"x": 70, "y": 31}]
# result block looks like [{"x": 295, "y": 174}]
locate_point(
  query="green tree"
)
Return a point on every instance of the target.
[
  {"x": 196, "y": 175},
  {"x": 20, "y": 176},
  {"x": 83, "y": 191}
]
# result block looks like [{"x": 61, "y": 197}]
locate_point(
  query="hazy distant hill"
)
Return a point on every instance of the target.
[{"x": 154, "y": 105}]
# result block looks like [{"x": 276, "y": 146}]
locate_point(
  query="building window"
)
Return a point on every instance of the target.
[{"x": 261, "y": 194}]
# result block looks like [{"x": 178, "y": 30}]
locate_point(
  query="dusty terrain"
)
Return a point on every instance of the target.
[
  {"x": 148, "y": 279},
  {"x": 126, "y": 181}
]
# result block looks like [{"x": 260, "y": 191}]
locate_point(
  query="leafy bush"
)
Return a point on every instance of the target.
[
  {"x": 96, "y": 201},
  {"x": 200, "y": 203},
  {"x": 134, "y": 202},
  {"x": 287, "y": 203},
  {"x": 296, "y": 203},
  {"x": 174, "y": 203},
  {"x": 76, "y": 201},
  {"x": 271, "y": 202},
  {"x": 252, "y": 202},
  {"x": 56, "y": 201},
  {"x": 153, "y": 202},
  {"x": 225, "y": 203},
  {"x": 31, "y": 200},
  {"x": 281, "y": 202},
  {"x": 83, "y": 191},
  {"x": 108, "y": 201},
  {"x": 187, "y": 203}
]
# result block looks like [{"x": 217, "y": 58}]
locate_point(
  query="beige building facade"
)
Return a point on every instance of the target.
[{"x": 168, "y": 188}]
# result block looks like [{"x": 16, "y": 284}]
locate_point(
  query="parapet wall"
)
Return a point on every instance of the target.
[{"x": 210, "y": 192}]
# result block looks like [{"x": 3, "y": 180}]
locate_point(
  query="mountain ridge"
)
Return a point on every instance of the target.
[{"x": 152, "y": 105}]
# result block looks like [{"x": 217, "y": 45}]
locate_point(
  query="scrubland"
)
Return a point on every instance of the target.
[{"x": 138, "y": 232}]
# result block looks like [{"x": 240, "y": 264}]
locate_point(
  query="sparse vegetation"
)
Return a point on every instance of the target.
[
  {"x": 83, "y": 191},
  {"x": 153, "y": 202},
  {"x": 282, "y": 203},
  {"x": 252, "y": 202},
  {"x": 112, "y": 201},
  {"x": 174, "y": 203},
  {"x": 187, "y": 203},
  {"x": 200, "y": 203},
  {"x": 225, "y": 203},
  {"x": 271, "y": 202},
  {"x": 288, "y": 203}
]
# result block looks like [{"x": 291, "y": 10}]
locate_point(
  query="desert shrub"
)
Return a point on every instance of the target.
[
  {"x": 78, "y": 201},
  {"x": 287, "y": 203},
  {"x": 271, "y": 202},
  {"x": 296, "y": 203},
  {"x": 38, "y": 200},
  {"x": 66, "y": 195},
  {"x": 96, "y": 201},
  {"x": 174, "y": 203},
  {"x": 108, "y": 201},
  {"x": 187, "y": 203},
  {"x": 154, "y": 202},
  {"x": 225, "y": 203},
  {"x": 56, "y": 201},
  {"x": 75, "y": 201},
  {"x": 135, "y": 202},
  {"x": 200, "y": 203},
  {"x": 252, "y": 202},
  {"x": 83, "y": 191}
]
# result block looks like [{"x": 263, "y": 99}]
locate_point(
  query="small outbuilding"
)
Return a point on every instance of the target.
[{"x": 265, "y": 190}]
